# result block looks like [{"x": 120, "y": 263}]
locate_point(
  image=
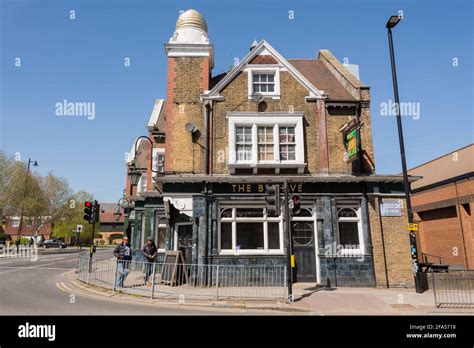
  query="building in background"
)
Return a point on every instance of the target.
[
  {"x": 41, "y": 233},
  {"x": 111, "y": 227},
  {"x": 443, "y": 201},
  {"x": 266, "y": 121}
]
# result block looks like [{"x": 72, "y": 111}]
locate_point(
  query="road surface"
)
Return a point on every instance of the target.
[{"x": 39, "y": 287}]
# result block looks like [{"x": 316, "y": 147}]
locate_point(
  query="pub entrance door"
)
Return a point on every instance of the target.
[
  {"x": 184, "y": 240},
  {"x": 303, "y": 249}
]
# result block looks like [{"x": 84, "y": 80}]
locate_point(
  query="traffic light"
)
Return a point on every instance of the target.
[
  {"x": 88, "y": 211},
  {"x": 296, "y": 205},
  {"x": 272, "y": 200},
  {"x": 96, "y": 211}
]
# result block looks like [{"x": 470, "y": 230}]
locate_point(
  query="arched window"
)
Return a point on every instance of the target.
[{"x": 349, "y": 230}]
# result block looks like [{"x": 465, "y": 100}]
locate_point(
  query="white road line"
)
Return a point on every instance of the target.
[{"x": 51, "y": 259}]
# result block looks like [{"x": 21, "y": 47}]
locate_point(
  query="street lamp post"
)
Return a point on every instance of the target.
[
  {"x": 392, "y": 22},
  {"x": 20, "y": 225}
]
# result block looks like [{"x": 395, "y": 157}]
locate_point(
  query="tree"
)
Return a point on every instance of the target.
[
  {"x": 70, "y": 215},
  {"x": 57, "y": 193}
]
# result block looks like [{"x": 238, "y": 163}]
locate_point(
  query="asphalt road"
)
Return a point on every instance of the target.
[{"x": 35, "y": 288}]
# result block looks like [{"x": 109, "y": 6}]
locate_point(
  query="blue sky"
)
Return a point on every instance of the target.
[{"x": 82, "y": 60}]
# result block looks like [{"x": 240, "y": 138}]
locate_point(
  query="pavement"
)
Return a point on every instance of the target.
[{"x": 48, "y": 286}]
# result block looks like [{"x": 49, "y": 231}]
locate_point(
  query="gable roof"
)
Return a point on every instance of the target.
[
  {"x": 334, "y": 62},
  {"x": 263, "y": 45},
  {"x": 321, "y": 77}
]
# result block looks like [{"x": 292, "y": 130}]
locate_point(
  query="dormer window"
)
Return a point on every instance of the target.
[{"x": 264, "y": 81}]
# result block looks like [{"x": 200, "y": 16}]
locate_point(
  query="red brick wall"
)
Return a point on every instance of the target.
[{"x": 447, "y": 232}]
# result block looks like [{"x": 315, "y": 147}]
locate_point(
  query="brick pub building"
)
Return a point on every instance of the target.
[{"x": 219, "y": 139}]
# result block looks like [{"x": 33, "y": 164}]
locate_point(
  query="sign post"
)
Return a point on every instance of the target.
[{"x": 78, "y": 230}]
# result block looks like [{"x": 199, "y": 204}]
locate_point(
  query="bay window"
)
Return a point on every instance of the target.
[{"x": 272, "y": 140}]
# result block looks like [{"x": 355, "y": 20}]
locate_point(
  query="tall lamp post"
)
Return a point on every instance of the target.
[
  {"x": 20, "y": 225},
  {"x": 392, "y": 23}
]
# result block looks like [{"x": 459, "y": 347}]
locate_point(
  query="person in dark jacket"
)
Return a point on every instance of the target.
[
  {"x": 149, "y": 251},
  {"x": 123, "y": 253}
]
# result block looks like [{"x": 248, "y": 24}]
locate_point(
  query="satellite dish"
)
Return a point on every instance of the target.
[
  {"x": 258, "y": 97},
  {"x": 191, "y": 127}
]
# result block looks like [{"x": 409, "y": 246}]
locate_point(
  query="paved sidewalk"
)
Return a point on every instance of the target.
[
  {"x": 368, "y": 301},
  {"x": 308, "y": 300}
]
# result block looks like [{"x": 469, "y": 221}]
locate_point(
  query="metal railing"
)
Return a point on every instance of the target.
[
  {"x": 454, "y": 289},
  {"x": 188, "y": 281}
]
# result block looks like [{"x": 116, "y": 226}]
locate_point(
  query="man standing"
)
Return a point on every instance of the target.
[
  {"x": 149, "y": 251},
  {"x": 123, "y": 253}
]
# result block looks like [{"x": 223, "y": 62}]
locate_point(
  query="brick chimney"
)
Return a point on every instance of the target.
[{"x": 190, "y": 60}]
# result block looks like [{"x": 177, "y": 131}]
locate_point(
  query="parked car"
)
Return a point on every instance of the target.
[{"x": 54, "y": 243}]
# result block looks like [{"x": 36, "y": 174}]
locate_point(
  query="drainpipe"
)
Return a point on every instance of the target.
[
  {"x": 207, "y": 118},
  {"x": 207, "y": 111},
  {"x": 359, "y": 140},
  {"x": 459, "y": 212}
]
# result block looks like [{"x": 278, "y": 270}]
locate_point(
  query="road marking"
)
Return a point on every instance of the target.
[
  {"x": 61, "y": 258},
  {"x": 60, "y": 286}
]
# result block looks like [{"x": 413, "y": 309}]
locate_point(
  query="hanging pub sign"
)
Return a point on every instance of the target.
[{"x": 350, "y": 133}]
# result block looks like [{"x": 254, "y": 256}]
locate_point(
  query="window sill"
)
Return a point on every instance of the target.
[
  {"x": 249, "y": 253},
  {"x": 266, "y": 96},
  {"x": 268, "y": 164}
]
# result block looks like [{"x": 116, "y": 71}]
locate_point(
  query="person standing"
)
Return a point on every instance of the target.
[
  {"x": 123, "y": 253},
  {"x": 149, "y": 251}
]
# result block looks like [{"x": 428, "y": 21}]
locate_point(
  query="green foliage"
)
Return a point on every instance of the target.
[
  {"x": 70, "y": 215},
  {"x": 24, "y": 241},
  {"x": 37, "y": 198}
]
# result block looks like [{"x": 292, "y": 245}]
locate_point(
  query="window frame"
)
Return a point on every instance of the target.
[
  {"x": 16, "y": 222},
  {"x": 276, "y": 121},
  {"x": 356, "y": 206},
  {"x": 259, "y": 70},
  {"x": 252, "y": 140},
  {"x": 234, "y": 220},
  {"x": 157, "y": 152},
  {"x": 266, "y": 143}
]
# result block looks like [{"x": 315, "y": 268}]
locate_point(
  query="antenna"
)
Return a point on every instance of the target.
[
  {"x": 258, "y": 97},
  {"x": 191, "y": 127}
]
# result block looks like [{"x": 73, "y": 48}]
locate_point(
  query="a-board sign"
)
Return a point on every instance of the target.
[{"x": 174, "y": 270}]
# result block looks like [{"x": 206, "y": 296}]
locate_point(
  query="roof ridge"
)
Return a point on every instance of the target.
[{"x": 441, "y": 156}]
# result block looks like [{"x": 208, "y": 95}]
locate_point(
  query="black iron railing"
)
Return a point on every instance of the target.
[{"x": 454, "y": 289}]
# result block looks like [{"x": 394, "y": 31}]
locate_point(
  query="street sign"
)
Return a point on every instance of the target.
[
  {"x": 78, "y": 228},
  {"x": 391, "y": 207},
  {"x": 413, "y": 227}
]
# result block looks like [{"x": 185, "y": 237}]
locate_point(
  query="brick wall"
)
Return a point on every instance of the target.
[
  {"x": 447, "y": 231},
  {"x": 236, "y": 99},
  {"x": 188, "y": 77},
  {"x": 390, "y": 233}
]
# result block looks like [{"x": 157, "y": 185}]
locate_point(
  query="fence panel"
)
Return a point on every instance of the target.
[
  {"x": 454, "y": 288},
  {"x": 189, "y": 281}
]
